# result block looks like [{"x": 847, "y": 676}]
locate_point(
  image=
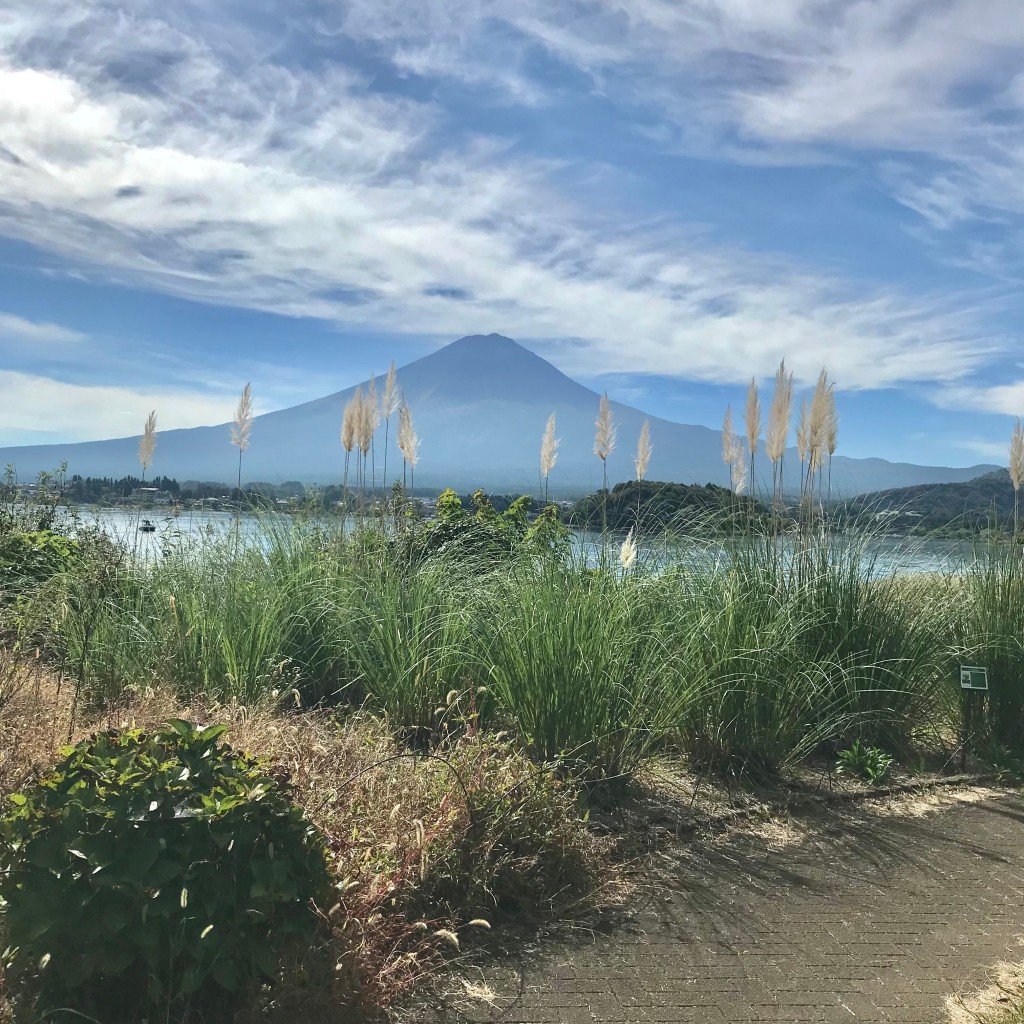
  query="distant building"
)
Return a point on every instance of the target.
[
  {"x": 151, "y": 494},
  {"x": 890, "y": 514}
]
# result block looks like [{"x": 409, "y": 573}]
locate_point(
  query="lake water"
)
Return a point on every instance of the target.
[{"x": 885, "y": 555}]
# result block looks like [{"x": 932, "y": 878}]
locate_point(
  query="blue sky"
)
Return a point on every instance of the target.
[{"x": 663, "y": 197}]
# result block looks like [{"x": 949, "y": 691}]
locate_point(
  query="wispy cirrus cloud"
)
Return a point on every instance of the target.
[
  {"x": 990, "y": 451},
  {"x": 194, "y": 155},
  {"x": 796, "y": 81},
  {"x": 17, "y": 329}
]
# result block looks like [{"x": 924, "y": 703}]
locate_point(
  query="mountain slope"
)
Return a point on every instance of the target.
[
  {"x": 480, "y": 405},
  {"x": 982, "y": 501}
]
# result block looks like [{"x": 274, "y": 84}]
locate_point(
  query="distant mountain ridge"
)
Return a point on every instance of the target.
[
  {"x": 982, "y": 501},
  {"x": 480, "y": 405}
]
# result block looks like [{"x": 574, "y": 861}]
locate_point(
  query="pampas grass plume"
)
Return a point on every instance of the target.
[
  {"x": 392, "y": 397},
  {"x": 628, "y": 552},
  {"x": 832, "y": 423},
  {"x": 549, "y": 448},
  {"x": 753, "y": 417},
  {"x": 818, "y": 420},
  {"x": 643, "y": 450},
  {"x": 242, "y": 425},
  {"x": 604, "y": 438},
  {"x": 147, "y": 443},
  {"x": 408, "y": 440},
  {"x": 364, "y": 421},
  {"x": 738, "y": 468},
  {"x": 348, "y": 426},
  {"x": 779, "y": 414},
  {"x": 373, "y": 405},
  {"x": 1017, "y": 455},
  {"x": 732, "y": 453}
]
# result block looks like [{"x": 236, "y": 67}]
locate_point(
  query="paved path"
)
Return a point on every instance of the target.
[{"x": 866, "y": 919}]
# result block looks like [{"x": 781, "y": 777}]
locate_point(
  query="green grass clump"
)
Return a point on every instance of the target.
[
  {"x": 986, "y": 625},
  {"x": 787, "y": 642},
  {"x": 576, "y": 659}
]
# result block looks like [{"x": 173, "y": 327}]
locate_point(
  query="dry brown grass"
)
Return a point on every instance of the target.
[
  {"x": 999, "y": 1002},
  {"x": 421, "y": 845},
  {"x": 36, "y": 719}
]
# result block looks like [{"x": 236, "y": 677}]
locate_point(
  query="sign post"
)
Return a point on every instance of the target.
[{"x": 972, "y": 678}]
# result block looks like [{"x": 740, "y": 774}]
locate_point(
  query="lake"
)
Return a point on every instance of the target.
[{"x": 885, "y": 555}]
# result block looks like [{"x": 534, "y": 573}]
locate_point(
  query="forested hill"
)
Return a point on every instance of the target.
[
  {"x": 984, "y": 501},
  {"x": 652, "y": 506}
]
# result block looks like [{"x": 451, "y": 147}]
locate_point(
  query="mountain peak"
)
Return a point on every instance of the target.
[
  {"x": 488, "y": 366},
  {"x": 492, "y": 341}
]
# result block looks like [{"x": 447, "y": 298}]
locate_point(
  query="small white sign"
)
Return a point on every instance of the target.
[{"x": 973, "y": 677}]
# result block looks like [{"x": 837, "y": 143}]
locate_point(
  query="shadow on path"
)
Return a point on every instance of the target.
[{"x": 848, "y": 915}]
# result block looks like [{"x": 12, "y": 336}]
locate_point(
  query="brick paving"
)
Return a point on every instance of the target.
[{"x": 866, "y": 919}]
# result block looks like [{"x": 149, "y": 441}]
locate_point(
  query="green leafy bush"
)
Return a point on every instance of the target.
[
  {"x": 155, "y": 871},
  {"x": 871, "y": 764},
  {"x": 27, "y": 559},
  {"x": 486, "y": 532}
]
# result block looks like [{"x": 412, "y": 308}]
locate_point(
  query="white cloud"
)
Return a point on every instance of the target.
[
  {"x": 1006, "y": 399},
  {"x": 786, "y": 81},
  {"x": 80, "y": 412},
  {"x": 218, "y": 174},
  {"x": 17, "y": 329},
  {"x": 987, "y": 451}
]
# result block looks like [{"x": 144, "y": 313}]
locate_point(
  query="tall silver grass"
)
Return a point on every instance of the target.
[
  {"x": 241, "y": 427},
  {"x": 1016, "y": 466},
  {"x": 348, "y": 438},
  {"x": 147, "y": 443},
  {"x": 752, "y": 419},
  {"x": 604, "y": 445},
  {"x": 364, "y": 430},
  {"x": 733, "y": 455},
  {"x": 831, "y": 434},
  {"x": 389, "y": 404},
  {"x": 409, "y": 445},
  {"x": 628, "y": 552},
  {"x": 778, "y": 428},
  {"x": 373, "y": 409},
  {"x": 803, "y": 439},
  {"x": 817, "y": 426},
  {"x": 644, "y": 449},
  {"x": 548, "y": 452}
]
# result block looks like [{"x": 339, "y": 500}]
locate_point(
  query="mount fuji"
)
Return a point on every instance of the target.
[{"x": 480, "y": 406}]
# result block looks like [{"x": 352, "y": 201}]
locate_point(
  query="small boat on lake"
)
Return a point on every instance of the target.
[{"x": 146, "y": 526}]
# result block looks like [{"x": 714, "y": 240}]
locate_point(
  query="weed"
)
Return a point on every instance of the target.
[{"x": 872, "y": 764}]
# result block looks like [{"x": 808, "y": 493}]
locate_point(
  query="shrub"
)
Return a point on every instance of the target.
[
  {"x": 871, "y": 764},
  {"x": 155, "y": 870},
  {"x": 487, "y": 533},
  {"x": 36, "y": 508},
  {"x": 27, "y": 559},
  {"x": 524, "y": 846}
]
